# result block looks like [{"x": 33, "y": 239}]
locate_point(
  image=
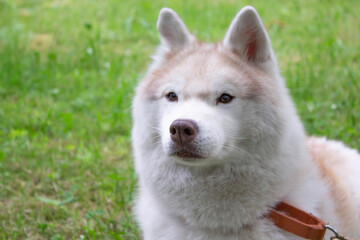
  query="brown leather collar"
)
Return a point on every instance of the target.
[{"x": 298, "y": 222}]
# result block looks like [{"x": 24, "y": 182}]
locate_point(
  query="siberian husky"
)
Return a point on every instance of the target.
[{"x": 217, "y": 142}]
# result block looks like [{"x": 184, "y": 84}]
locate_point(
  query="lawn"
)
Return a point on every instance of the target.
[{"x": 67, "y": 75}]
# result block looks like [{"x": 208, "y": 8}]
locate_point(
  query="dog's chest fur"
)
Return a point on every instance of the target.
[{"x": 227, "y": 197}]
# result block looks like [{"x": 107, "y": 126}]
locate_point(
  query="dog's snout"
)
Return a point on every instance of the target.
[{"x": 183, "y": 131}]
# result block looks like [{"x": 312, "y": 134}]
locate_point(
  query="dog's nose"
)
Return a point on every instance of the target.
[{"x": 183, "y": 131}]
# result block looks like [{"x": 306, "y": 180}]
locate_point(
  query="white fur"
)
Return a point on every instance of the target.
[{"x": 255, "y": 152}]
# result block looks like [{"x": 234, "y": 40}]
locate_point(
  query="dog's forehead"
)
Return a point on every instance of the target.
[
  {"x": 201, "y": 69},
  {"x": 206, "y": 61},
  {"x": 210, "y": 67}
]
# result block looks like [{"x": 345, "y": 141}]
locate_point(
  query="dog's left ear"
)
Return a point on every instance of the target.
[
  {"x": 173, "y": 32},
  {"x": 247, "y": 36}
]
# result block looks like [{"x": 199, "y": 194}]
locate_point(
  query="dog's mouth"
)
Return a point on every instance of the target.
[{"x": 183, "y": 153}]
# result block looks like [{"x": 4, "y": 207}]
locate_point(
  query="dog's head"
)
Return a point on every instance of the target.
[{"x": 204, "y": 103}]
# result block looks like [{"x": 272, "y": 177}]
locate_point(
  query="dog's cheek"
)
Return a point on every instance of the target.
[
  {"x": 166, "y": 117},
  {"x": 231, "y": 121},
  {"x": 212, "y": 134}
]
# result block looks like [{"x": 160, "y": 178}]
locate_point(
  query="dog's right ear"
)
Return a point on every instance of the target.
[
  {"x": 173, "y": 32},
  {"x": 248, "y": 37}
]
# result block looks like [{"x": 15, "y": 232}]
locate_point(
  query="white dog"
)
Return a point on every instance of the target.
[{"x": 218, "y": 143}]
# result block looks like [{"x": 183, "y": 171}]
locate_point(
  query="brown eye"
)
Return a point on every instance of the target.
[
  {"x": 172, "y": 97},
  {"x": 225, "y": 98}
]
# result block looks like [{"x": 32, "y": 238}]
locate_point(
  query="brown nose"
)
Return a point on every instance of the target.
[{"x": 183, "y": 131}]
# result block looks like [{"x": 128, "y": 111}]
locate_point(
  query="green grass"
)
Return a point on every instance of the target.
[{"x": 67, "y": 74}]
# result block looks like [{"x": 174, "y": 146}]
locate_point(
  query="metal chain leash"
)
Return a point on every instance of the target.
[{"x": 337, "y": 235}]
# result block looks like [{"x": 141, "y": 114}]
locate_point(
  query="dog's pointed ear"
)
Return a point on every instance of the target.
[
  {"x": 247, "y": 36},
  {"x": 173, "y": 31}
]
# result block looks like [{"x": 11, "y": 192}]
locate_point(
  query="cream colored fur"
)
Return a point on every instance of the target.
[{"x": 254, "y": 149}]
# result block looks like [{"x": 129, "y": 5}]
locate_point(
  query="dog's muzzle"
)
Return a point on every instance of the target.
[{"x": 182, "y": 133}]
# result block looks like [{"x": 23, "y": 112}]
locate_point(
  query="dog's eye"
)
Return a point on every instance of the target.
[
  {"x": 172, "y": 97},
  {"x": 225, "y": 98}
]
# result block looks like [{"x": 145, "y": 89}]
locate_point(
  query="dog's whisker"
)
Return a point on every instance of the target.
[
  {"x": 153, "y": 127},
  {"x": 239, "y": 139},
  {"x": 237, "y": 149}
]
